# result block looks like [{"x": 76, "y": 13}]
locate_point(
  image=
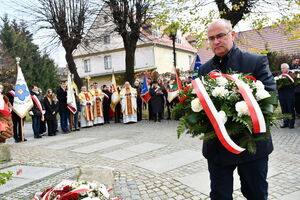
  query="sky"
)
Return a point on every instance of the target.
[{"x": 57, "y": 53}]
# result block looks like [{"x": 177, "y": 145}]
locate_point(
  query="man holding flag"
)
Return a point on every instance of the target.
[
  {"x": 22, "y": 101},
  {"x": 71, "y": 103}
]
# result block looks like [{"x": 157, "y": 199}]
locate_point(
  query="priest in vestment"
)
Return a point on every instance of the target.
[
  {"x": 128, "y": 103},
  {"x": 98, "y": 104},
  {"x": 86, "y": 102}
]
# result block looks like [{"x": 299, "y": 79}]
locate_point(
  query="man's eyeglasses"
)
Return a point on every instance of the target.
[{"x": 218, "y": 37}]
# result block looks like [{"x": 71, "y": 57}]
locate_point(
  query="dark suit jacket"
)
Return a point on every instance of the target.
[
  {"x": 62, "y": 99},
  {"x": 242, "y": 62}
]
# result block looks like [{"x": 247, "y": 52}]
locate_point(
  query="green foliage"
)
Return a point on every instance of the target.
[
  {"x": 38, "y": 68},
  {"x": 4, "y": 177}
]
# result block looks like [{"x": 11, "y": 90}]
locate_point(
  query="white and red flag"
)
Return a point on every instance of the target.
[
  {"x": 22, "y": 99},
  {"x": 71, "y": 101}
]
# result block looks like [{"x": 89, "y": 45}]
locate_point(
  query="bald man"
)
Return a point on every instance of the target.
[{"x": 252, "y": 168}]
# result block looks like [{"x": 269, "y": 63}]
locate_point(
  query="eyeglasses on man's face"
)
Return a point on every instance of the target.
[{"x": 218, "y": 36}]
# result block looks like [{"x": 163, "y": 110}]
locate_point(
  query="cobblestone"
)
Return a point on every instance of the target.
[{"x": 132, "y": 182}]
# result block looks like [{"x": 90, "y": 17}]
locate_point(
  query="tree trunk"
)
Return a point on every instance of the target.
[
  {"x": 73, "y": 69},
  {"x": 129, "y": 61}
]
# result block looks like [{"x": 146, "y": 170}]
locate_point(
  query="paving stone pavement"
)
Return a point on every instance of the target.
[{"x": 129, "y": 150}]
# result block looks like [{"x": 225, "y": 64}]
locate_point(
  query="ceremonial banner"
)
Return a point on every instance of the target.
[
  {"x": 175, "y": 86},
  {"x": 115, "y": 97},
  {"x": 3, "y": 107},
  {"x": 71, "y": 101},
  {"x": 197, "y": 65},
  {"x": 22, "y": 100},
  {"x": 145, "y": 95}
]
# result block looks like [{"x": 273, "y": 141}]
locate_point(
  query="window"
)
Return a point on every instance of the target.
[
  {"x": 155, "y": 32},
  {"x": 190, "y": 60},
  {"x": 87, "y": 65},
  {"x": 105, "y": 18},
  {"x": 106, "y": 39},
  {"x": 178, "y": 37},
  {"x": 107, "y": 62}
]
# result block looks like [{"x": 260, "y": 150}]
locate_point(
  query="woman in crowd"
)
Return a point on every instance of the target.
[{"x": 51, "y": 107}]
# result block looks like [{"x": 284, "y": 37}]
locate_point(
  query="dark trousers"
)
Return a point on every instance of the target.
[
  {"x": 64, "y": 115},
  {"x": 252, "y": 176},
  {"x": 139, "y": 108},
  {"x": 157, "y": 116},
  {"x": 106, "y": 113},
  {"x": 76, "y": 121},
  {"x": 17, "y": 126},
  {"x": 51, "y": 123},
  {"x": 297, "y": 102},
  {"x": 288, "y": 107},
  {"x": 118, "y": 113},
  {"x": 36, "y": 124}
]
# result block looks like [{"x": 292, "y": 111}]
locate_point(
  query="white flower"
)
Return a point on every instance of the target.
[
  {"x": 219, "y": 92},
  {"x": 236, "y": 76},
  {"x": 196, "y": 105},
  {"x": 259, "y": 85},
  {"x": 262, "y": 94},
  {"x": 242, "y": 108},
  {"x": 223, "y": 116},
  {"x": 222, "y": 81}
]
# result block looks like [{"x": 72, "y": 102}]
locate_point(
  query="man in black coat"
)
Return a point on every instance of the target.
[
  {"x": 63, "y": 109},
  {"x": 157, "y": 101},
  {"x": 106, "y": 103},
  {"x": 252, "y": 168},
  {"x": 287, "y": 99},
  {"x": 17, "y": 121}
]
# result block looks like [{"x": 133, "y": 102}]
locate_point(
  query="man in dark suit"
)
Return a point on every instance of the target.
[
  {"x": 63, "y": 109},
  {"x": 252, "y": 168},
  {"x": 17, "y": 121},
  {"x": 287, "y": 99}
]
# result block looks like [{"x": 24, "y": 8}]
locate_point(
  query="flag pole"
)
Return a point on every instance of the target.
[{"x": 18, "y": 59}]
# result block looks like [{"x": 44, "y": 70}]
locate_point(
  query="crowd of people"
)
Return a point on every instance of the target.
[{"x": 95, "y": 106}]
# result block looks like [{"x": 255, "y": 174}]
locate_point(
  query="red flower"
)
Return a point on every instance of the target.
[
  {"x": 43, "y": 194},
  {"x": 250, "y": 77},
  {"x": 67, "y": 189}
]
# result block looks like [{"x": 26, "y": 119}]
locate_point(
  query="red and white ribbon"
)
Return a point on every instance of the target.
[
  {"x": 37, "y": 103},
  {"x": 286, "y": 75},
  {"x": 257, "y": 117},
  {"x": 214, "y": 118}
]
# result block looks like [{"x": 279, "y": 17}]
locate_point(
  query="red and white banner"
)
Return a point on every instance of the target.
[{"x": 214, "y": 118}]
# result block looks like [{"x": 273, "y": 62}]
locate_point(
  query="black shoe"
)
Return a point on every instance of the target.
[
  {"x": 291, "y": 126},
  {"x": 77, "y": 129},
  {"x": 51, "y": 134},
  {"x": 284, "y": 126},
  {"x": 38, "y": 136}
]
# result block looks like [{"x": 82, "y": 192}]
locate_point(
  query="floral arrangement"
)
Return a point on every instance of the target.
[
  {"x": 233, "y": 108},
  {"x": 285, "y": 80},
  {"x": 75, "y": 190},
  {"x": 296, "y": 76}
]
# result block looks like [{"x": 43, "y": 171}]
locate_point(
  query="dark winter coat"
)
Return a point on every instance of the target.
[
  {"x": 50, "y": 108},
  {"x": 157, "y": 100}
]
